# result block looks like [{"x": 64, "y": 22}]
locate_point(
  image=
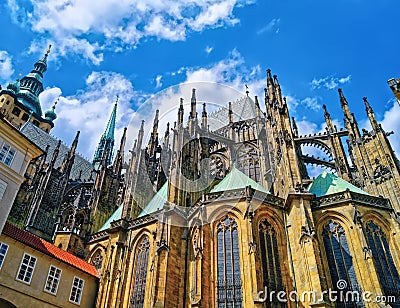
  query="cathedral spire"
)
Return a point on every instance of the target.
[
  {"x": 180, "y": 112},
  {"x": 328, "y": 119},
  {"x": 140, "y": 137},
  {"x": 204, "y": 117},
  {"x": 70, "y": 157},
  {"x": 153, "y": 142},
  {"x": 270, "y": 85},
  {"x": 344, "y": 104},
  {"x": 193, "y": 112},
  {"x": 119, "y": 159},
  {"x": 31, "y": 85},
  {"x": 371, "y": 114},
  {"x": 106, "y": 143}
]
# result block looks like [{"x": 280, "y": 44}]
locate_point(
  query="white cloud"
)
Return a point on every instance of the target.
[
  {"x": 208, "y": 50},
  {"x": 89, "y": 109},
  {"x": 271, "y": 26},
  {"x": 158, "y": 81},
  {"x": 390, "y": 122},
  {"x": 329, "y": 82},
  {"x": 6, "y": 67},
  {"x": 88, "y": 28}
]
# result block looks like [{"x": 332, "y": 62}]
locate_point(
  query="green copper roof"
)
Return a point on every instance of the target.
[
  {"x": 154, "y": 205},
  {"x": 109, "y": 132},
  {"x": 157, "y": 202},
  {"x": 115, "y": 216},
  {"x": 327, "y": 183},
  {"x": 236, "y": 179}
]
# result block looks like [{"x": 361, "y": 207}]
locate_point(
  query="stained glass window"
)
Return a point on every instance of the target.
[
  {"x": 271, "y": 266},
  {"x": 248, "y": 162},
  {"x": 341, "y": 267},
  {"x": 229, "y": 284},
  {"x": 141, "y": 265},
  {"x": 383, "y": 260}
]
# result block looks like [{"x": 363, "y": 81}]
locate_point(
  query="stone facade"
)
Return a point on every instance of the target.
[{"x": 248, "y": 228}]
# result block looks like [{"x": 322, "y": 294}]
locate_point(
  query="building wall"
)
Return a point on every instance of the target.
[
  {"x": 12, "y": 175},
  {"x": 33, "y": 295}
]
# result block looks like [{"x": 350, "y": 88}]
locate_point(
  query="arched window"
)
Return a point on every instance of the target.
[
  {"x": 97, "y": 259},
  {"x": 69, "y": 220},
  {"x": 79, "y": 220},
  {"x": 340, "y": 264},
  {"x": 229, "y": 284},
  {"x": 248, "y": 162},
  {"x": 271, "y": 266},
  {"x": 387, "y": 272},
  {"x": 141, "y": 265}
]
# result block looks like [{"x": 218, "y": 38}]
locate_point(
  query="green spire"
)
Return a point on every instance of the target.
[
  {"x": 106, "y": 141},
  {"x": 31, "y": 85}
]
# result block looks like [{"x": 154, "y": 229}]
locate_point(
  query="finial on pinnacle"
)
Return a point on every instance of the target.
[
  {"x": 48, "y": 50},
  {"x": 116, "y": 101},
  {"x": 247, "y": 89}
]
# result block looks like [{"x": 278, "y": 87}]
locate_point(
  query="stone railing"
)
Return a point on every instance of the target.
[{"x": 349, "y": 196}]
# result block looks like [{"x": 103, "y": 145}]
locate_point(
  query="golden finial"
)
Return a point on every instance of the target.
[{"x": 48, "y": 50}]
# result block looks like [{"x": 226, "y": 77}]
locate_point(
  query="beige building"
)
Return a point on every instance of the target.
[
  {"x": 16, "y": 151},
  {"x": 35, "y": 273}
]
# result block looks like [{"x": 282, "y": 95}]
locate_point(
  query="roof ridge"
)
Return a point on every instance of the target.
[{"x": 48, "y": 248}]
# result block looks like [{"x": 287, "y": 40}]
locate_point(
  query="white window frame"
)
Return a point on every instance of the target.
[
  {"x": 3, "y": 255},
  {"x": 26, "y": 269},
  {"x": 6, "y": 153},
  {"x": 53, "y": 280},
  {"x": 76, "y": 300}
]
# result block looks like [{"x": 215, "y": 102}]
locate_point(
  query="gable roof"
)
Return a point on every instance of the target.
[
  {"x": 42, "y": 139},
  {"x": 157, "y": 202},
  {"x": 328, "y": 183},
  {"x": 236, "y": 179},
  {"x": 47, "y": 248}
]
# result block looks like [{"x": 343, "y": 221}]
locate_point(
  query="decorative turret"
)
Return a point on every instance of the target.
[
  {"x": 32, "y": 85},
  {"x": 14, "y": 86},
  {"x": 328, "y": 119},
  {"x": 193, "y": 112},
  {"x": 180, "y": 112},
  {"x": 371, "y": 115},
  {"x": 50, "y": 115},
  {"x": 270, "y": 86},
  {"x": 106, "y": 143},
  {"x": 204, "y": 117}
]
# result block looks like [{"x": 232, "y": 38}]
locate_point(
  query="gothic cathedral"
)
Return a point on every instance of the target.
[{"x": 219, "y": 215}]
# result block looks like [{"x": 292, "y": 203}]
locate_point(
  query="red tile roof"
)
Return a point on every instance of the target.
[{"x": 48, "y": 248}]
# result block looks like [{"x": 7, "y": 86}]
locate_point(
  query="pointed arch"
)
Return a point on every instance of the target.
[
  {"x": 140, "y": 272},
  {"x": 229, "y": 284},
  {"x": 270, "y": 259},
  {"x": 97, "y": 259},
  {"x": 340, "y": 262},
  {"x": 384, "y": 264},
  {"x": 248, "y": 161}
]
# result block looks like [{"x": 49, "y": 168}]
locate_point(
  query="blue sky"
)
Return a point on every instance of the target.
[{"x": 138, "y": 48}]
